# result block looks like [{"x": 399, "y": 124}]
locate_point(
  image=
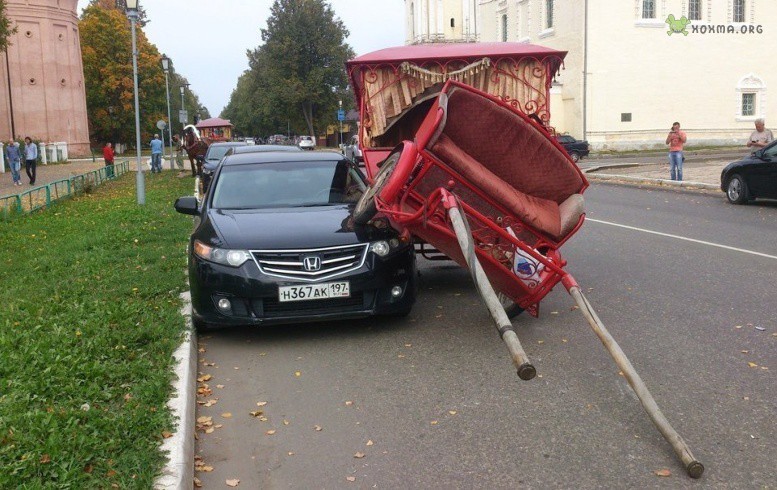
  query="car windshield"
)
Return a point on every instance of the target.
[
  {"x": 216, "y": 152},
  {"x": 287, "y": 184}
]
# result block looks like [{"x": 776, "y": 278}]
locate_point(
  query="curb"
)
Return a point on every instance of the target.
[
  {"x": 178, "y": 471},
  {"x": 683, "y": 184}
]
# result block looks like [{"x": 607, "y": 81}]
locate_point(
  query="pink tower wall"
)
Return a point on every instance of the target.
[{"x": 46, "y": 75}]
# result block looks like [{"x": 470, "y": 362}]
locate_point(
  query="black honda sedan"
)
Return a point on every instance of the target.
[
  {"x": 275, "y": 242},
  {"x": 754, "y": 176}
]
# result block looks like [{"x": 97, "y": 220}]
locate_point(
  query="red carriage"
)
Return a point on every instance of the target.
[{"x": 456, "y": 142}]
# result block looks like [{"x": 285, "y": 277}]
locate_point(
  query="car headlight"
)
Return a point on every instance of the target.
[
  {"x": 232, "y": 258},
  {"x": 381, "y": 248}
]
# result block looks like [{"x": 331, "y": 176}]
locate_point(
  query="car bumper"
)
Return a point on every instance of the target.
[{"x": 254, "y": 298}]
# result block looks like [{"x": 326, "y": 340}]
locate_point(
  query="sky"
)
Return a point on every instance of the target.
[{"x": 207, "y": 39}]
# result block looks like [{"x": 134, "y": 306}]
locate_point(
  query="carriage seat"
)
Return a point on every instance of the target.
[{"x": 509, "y": 159}]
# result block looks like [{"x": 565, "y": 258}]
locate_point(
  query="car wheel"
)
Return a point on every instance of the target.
[
  {"x": 736, "y": 190},
  {"x": 511, "y": 308},
  {"x": 575, "y": 156}
]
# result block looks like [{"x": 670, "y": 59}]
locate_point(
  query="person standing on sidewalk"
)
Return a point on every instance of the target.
[
  {"x": 156, "y": 154},
  {"x": 30, "y": 158},
  {"x": 676, "y": 139},
  {"x": 108, "y": 155},
  {"x": 14, "y": 161},
  {"x": 760, "y": 137}
]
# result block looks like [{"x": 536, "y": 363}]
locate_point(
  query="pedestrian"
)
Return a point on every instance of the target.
[
  {"x": 156, "y": 154},
  {"x": 30, "y": 158},
  {"x": 108, "y": 155},
  {"x": 676, "y": 139},
  {"x": 761, "y": 136},
  {"x": 14, "y": 161}
]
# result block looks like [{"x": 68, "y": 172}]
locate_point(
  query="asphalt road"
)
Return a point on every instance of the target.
[{"x": 432, "y": 401}]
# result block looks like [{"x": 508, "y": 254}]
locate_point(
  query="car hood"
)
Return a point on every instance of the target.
[
  {"x": 742, "y": 162},
  {"x": 286, "y": 228}
]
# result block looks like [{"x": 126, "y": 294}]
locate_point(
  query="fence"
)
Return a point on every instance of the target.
[{"x": 42, "y": 196}]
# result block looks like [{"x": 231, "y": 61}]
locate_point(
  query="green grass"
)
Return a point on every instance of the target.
[{"x": 89, "y": 321}]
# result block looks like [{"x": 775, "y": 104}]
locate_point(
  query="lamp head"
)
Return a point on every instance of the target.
[
  {"x": 131, "y": 5},
  {"x": 165, "y": 63}
]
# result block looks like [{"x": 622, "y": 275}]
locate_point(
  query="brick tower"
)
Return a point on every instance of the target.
[{"x": 42, "y": 93}]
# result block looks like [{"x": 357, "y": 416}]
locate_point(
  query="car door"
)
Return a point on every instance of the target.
[{"x": 762, "y": 178}]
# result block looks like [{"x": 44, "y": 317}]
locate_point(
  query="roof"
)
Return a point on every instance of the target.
[
  {"x": 282, "y": 156},
  {"x": 214, "y": 122},
  {"x": 229, "y": 143},
  {"x": 449, "y": 51},
  {"x": 261, "y": 148}
]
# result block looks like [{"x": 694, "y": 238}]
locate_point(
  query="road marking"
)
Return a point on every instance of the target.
[{"x": 711, "y": 244}]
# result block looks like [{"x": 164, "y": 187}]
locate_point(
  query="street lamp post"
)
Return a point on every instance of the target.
[
  {"x": 166, "y": 69},
  {"x": 132, "y": 14},
  {"x": 183, "y": 104},
  {"x": 340, "y": 102}
]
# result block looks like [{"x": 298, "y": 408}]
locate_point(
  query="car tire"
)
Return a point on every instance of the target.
[
  {"x": 511, "y": 308},
  {"x": 736, "y": 190},
  {"x": 365, "y": 208},
  {"x": 575, "y": 156}
]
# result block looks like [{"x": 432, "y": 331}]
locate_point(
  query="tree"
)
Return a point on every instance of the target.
[
  {"x": 6, "y": 31},
  {"x": 297, "y": 73}
]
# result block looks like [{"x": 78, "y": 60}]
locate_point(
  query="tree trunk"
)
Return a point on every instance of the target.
[{"x": 307, "y": 112}]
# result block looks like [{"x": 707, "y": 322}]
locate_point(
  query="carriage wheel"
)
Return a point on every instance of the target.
[
  {"x": 511, "y": 307},
  {"x": 365, "y": 208}
]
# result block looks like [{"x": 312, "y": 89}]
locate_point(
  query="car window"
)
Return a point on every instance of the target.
[
  {"x": 216, "y": 152},
  {"x": 770, "y": 153},
  {"x": 287, "y": 184},
  {"x": 566, "y": 139}
]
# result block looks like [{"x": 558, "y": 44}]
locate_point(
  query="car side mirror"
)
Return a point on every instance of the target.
[{"x": 187, "y": 205}]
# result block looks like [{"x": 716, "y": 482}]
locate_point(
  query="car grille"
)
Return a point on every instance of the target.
[
  {"x": 290, "y": 264},
  {"x": 273, "y": 307}
]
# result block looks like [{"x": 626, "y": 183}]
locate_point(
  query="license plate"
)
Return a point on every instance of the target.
[{"x": 312, "y": 292}]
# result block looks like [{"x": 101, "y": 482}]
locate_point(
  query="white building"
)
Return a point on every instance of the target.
[
  {"x": 429, "y": 21},
  {"x": 629, "y": 74}
]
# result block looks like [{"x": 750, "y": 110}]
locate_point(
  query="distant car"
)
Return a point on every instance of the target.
[
  {"x": 306, "y": 143},
  {"x": 752, "y": 177},
  {"x": 275, "y": 242},
  {"x": 250, "y": 141},
  {"x": 213, "y": 156},
  {"x": 353, "y": 151},
  {"x": 577, "y": 149}
]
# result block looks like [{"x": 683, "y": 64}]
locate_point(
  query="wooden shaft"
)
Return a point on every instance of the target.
[
  {"x": 692, "y": 466},
  {"x": 526, "y": 370}
]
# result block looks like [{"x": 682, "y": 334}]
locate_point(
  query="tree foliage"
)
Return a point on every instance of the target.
[
  {"x": 106, "y": 46},
  {"x": 6, "y": 29},
  {"x": 297, "y": 76}
]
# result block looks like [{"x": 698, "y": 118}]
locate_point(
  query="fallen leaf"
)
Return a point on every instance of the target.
[
  {"x": 206, "y": 377},
  {"x": 434, "y": 422},
  {"x": 218, "y": 426},
  {"x": 348, "y": 403},
  {"x": 270, "y": 432},
  {"x": 745, "y": 351},
  {"x": 408, "y": 345},
  {"x": 554, "y": 312},
  {"x": 286, "y": 422},
  {"x": 663, "y": 472},
  {"x": 256, "y": 413},
  {"x": 233, "y": 483},
  {"x": 45, "y": 459},
  {"x": 452, "y": 412},
  {"x": 752, "y": 364},
  {"x": 291, "y": 453},
  {"x": 350, "y": 478},
  {"x": 236, "y": 368},
  {"x": 564, "y": 340},
  {"x": 219, "y": 386},
  {"x": 746, "y": 398},
  {"x": 297, "y": 374},
  {"x": 370, "y": 443},
  {"x": 738, "y": 326},
  {"x": 204, "y": 468},
  {"x": 166, "y": 434},
  {"x": 261, "y": 404},
  {"x": 209, "y": 430},
  {"x": 540, "y": 341},
  {"x": 226, "y": 415},
  {"x": 764, "y": 368},
  {"x": 318, "y": 428},
  {"x": 359, "y": 455},
  {"x": 197, "y": 482},
  {"x": 204, "y": 419}
]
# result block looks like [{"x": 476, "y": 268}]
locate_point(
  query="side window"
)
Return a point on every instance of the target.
[{"x": 771, "y": 153}]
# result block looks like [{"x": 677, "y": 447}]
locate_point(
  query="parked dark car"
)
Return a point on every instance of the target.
[
  {"x": 752, "y": 177},
  {"x": 213, "y": 156},
  {"x": 577, "y": 149},
  {"x": 275, "y": 242}
]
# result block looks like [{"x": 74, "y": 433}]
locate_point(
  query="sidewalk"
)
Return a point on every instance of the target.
[
  {"x": 706, "y": 173},
  {"x": 46, "y": 174}
]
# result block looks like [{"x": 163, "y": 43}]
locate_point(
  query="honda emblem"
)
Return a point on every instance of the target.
[{"x": 312, "y": 263}]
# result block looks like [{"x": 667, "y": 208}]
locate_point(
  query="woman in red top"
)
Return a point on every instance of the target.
[
  {"x": 676, "y": 139},
  {"x": 108, "y": 156}
]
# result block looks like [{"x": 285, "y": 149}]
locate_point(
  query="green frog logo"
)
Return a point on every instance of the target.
[{"x": 677, "y": 26}]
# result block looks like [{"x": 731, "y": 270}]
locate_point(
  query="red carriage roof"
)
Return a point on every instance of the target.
[{"x": 214, "y": 122}]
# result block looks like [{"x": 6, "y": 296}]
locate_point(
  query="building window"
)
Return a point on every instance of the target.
[
  {"x": 739, "y": 11},
  {"x": 694, "y": 9},
  {"x": 625, "y": 117},
  {"x": 504, "y": 28},
  {"x": 648, "y": 9},
  {"x": 453, "y": 22},
  {"x": 748, "y": 104},
  {"x": 548, "y": 14}
]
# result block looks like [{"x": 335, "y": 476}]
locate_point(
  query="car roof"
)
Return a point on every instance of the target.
[
  {"x": 261, "y": 148},
  {"x": 282, "y": 156},
  {"x": 228, "y": 143}
]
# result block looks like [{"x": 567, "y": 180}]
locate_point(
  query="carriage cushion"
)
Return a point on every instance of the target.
[
  {"x": 541, "y": 214},
  {"x": 510, "y": 147}
]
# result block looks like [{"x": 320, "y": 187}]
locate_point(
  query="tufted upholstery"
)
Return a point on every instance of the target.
[{"x": 490, "y": 146}]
